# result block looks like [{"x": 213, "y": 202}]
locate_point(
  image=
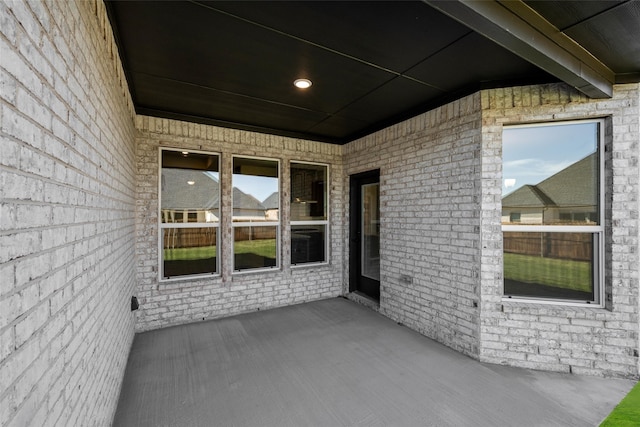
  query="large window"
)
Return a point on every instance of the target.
[
  {"x": 189, "y": 213},
  {"x": 309, "y": 221},
  {"x": 256, "y": 213},
  {"x": 552, "y": 211}
]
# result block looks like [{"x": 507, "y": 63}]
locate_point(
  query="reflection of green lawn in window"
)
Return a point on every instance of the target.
[
  {"x": 263, "y": 247},
  {"x": 187, "y": 254},
  {"x": 559, "y": 273}
]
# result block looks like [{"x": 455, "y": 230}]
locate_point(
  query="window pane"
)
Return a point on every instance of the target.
[
  {"x": 308, "y": 192},
  {"x": 551, "y": 175},
  {"x": 255, "y": 190},
  {"x": 307, "y": 243},
  {"x": 190, "y": 190},
  {"x": 254, "y": 247},
  {"x": 189, "y": 251},
  {"x": 370, "y": 231},
  {"x": 549, "y": 265}
]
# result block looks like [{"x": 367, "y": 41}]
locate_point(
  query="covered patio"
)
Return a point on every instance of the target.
[
  {"x": 338, "y": 363},
  {"x": 184, "y": 230}
]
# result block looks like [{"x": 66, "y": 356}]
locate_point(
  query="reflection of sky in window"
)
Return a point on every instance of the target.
[
  {"x": 213, "y": 175},
  {"x": 533, "y": 154},
  {"x": 259, "y": 187}
]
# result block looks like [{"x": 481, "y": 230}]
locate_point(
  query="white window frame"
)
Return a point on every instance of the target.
[
  {"x": 597, "y": 230},
  {"x": 276, "y": 224},
  {"x": 163, "y": 226},
  {"x": 324, "y": 222}
]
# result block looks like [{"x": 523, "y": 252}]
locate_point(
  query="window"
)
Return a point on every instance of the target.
[
  {"x": 190, "y": 194},
  {"x": 552, "y": 211},
  {"x": 256, "y": 213},
  {"x": 309, "y": 220},
  {"x": 189, "y": 213}
]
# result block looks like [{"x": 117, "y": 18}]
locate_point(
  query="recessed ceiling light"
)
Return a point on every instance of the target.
[
  {"x": 191, "y": 182},
  {"x": 185, "y": 152},
  {"x": 302, "y": 83}
]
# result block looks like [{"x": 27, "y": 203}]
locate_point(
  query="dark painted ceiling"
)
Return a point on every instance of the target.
[{"x": 372, "y": 63}]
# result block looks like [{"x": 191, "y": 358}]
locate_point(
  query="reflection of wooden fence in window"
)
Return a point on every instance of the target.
[
  {"x": 574, "y": 246},
  {"x": 189, "y": 237},
  {"x": 254, "y": 233}
]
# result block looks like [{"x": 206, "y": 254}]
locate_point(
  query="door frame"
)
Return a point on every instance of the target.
[{"x": 356, "y": 181}]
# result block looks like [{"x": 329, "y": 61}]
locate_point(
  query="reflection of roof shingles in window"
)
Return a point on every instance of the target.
[
  {"x": 245, "y": 202},
  {"x": 177, "y": 194},
  {"x": 272, "y": 202},
  {"x": 575, "y": 185},
  {"x": 527, "y": 196}
]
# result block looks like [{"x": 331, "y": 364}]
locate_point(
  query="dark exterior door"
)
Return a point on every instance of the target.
[{"x": 364, "y": 234}]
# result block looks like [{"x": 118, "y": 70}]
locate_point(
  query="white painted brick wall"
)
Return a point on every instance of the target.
[
  {"x": 441, "y": 178},
  {"x": 430, "y": 219},
  {"x": 567, "y": 339},
  {"x": 67, "y": 201},
  {"x": 190, "y": 300}
]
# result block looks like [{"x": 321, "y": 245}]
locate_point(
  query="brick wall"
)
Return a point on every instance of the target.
[
  {"x": 430, "y": 218},
  {"x": 441, "y": 238},
  {"x": 597, "y": 341},
  {"x": 66, "y": 215},
  {"x": 190, "y": 300}
]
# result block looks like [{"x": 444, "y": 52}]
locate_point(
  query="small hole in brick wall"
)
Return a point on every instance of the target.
[{"x": 635, "y": 353}]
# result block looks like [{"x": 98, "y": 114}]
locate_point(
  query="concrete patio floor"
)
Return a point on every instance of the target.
[{"x": 336, "y": 363}]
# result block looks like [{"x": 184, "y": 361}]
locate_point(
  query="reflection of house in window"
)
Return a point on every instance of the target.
[
  {"x": 189, "y": 196},
  {"x": 271, "y": 205},
  {"x": 246, "y": 207},
  {"x": 569, "y": 196},
  {"x": 255, "y": 223},
  {"x": 189, "y": 217}
]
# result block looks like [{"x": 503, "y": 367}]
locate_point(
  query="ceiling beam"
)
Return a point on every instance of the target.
[{"x": 518, "y": 28}]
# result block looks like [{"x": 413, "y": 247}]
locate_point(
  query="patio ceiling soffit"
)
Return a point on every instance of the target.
[{"x": 518, "y": 28}]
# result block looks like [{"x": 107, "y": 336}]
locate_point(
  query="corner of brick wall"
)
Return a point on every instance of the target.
[
  {"x": 430, "y": 220},
  {"x": 583, "y": 340},
  {"x": 190, "y": 300},
  {"x": 67, "y": 201}
]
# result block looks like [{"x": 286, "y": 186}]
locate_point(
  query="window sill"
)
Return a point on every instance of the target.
[
  {"x": 190, "y": 277},
  {"x": 309, "y": 265},
  {"x": 548, "y": 303},
  {"x": 256, "y": 270}
]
